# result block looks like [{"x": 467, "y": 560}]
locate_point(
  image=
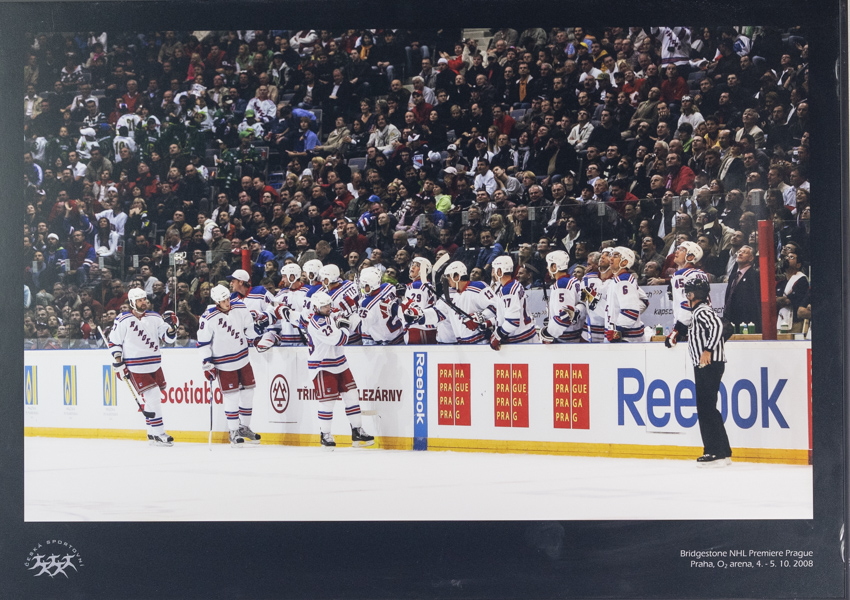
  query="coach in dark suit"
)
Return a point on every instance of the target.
[{"x": 743, "y": 292}]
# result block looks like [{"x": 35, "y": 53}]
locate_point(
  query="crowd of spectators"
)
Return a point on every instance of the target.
[{"x": 166, "y": 160}]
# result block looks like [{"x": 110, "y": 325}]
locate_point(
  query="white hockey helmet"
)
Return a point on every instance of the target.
[
  {"x": 219, "y": 294},
  {"x": 134, "y": 295},
  {"x": 691, "y": 248},
  {"x": 424, "y": 267},
  {"x": 311, "y": 269},
  {"x": 560, "y": 260},
  {"x": 370, "y": 277},
  {"x": 329, "y": 273},
  {"x": 627, "y": 257},
  {"x": 319, "y": 300},
  {"x": 456, "y": 268},
  {"x": 290, "y": 272},
  {"x": 502, "y": 265}
]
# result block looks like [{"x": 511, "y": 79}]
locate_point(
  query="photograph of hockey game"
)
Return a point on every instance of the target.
[{"x": 555, "y": 273}]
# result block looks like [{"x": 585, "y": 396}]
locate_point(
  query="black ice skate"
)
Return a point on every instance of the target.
[
  {"x": 327, "y": 440},
  {"x": 164, "y": 440},
  {"x": 236, "y": 440},
  {"x": 713, "y": 461},
  {"x": 360, "y": 438},
  {"x": 249, "y": 436}
]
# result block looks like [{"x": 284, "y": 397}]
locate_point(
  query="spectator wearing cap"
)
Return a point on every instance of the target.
[
  {"x": 259, "y": 257},
  {"x": 445, "y": 75}
]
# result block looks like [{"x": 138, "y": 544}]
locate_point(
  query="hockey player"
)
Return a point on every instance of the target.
[
  {"x": 259, "y": 301},
  {"x": 567, "y": 312},
  {"x": 418, "y": 298},
  {"x": 625, "y": 303},
  {"x": 515, "y": 325},
  {"x": 134, "y": 343},
  {"x": 345, "y": 296},
  {"x": 381, "y": 321},
  {"x": 686, "y": 256},
  {"x": 332, "y": 378},
  {"x": 224, "y": 335},
  {"x": 313, "y": 285},
  {"x": 476, "y": 299},
  {"x": 285, "y": 314},
  {"x": 594, "y": 294}
]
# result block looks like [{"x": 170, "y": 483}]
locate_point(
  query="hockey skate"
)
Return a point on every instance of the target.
[
  {"x": 360, "y": 438},
  {"x": 236, "y": 440},
  {"x": 712, "y": 461},
  {"x": 249, "y": 436},
  {"x": 327, "y": 440},
  {"x": 161, "y": 440}
]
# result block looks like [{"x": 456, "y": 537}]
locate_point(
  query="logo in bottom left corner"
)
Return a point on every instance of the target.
[
  {"x": 54, "y": 558},
  {"x": 279, "y": 394}
]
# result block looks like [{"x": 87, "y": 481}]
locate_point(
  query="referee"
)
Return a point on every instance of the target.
[{"x": 705, "y": 344}]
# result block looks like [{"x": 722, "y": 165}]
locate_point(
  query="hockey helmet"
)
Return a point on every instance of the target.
[
  {"x": 559, "y": 259},
  {"x": 219, "y": 294},
  {"x": 311, "y": 269},
  {"x": 134, "y": 295},
  {"x": 691, "y": 248},
  {"x": 290, "y": 272},
  {"x": 627, "y": 257},
  {"x": 502, "y": 265},
  {"x": 319, "y": 300},
  {"x": 698, "y": 286},
  {"x": 370, "y": 277},
  {"x": 329, "y": 273},
  {"x": 424, "y": 267},
  {"x": 456, "y": 268}
]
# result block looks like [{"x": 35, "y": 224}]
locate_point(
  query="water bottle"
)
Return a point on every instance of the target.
[
  {"x": 742, "y": 328},
  {"x": 751, "y": 328},
  {"x": 659, "y": 329}
]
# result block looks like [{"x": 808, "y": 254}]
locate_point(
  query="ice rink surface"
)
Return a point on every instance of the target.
[{"x": 69, "y": 479}]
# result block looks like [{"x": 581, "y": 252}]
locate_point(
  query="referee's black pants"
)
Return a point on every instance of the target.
[{"x": 707, "y": 382}]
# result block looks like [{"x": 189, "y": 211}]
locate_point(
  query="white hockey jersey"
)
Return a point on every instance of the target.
[
  {"x": 325, "y": 341},
  {"x": 130, "y": 121},
  {"x": 138, "y": 339},
  {"x": 445, "y": 329},
  {"x": 257, "y": 301},
  {"x": 625, "y": 307},
  {"x": 345, "y": 300},
  {"x": 515, "y": 324},
  {"x": 421, "y": 296},
  {"x": 287, "y": 331},
  {"x": 565, "y": 310},
  {"x": 381, "y": 322},
  {"x": 224, "y": 338},
  {"x": 596, "y": 317},
  {"x": 681, "y": 307},
  {"x": 477, "y": 297}
]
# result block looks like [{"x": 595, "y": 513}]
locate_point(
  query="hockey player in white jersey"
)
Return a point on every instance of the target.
[
  {"x": 345, "y": 296},
  {"x": 381, "y": 320},
  {"x": 625, "y": 303},
  {"x": 566, "y": 310},
  {"x": 259, "y": 301},
  {"x": 225, "y": 332},
  {"x": 134, "y": 342},
  {"x": 418, "y": 298},
  {"x": 313, "y": 285},
  {"x": 285, "y": 314},
  {"x": 332, "y": 379},
  {"x": 476, "y": 299},
  {"x": 686, "y": 256},
  {"x": 594, "y": 291},
  {"x": 514, "y": 324}
]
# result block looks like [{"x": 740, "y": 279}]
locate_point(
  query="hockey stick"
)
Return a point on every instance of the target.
[
  {"x": 456, "y": 308},
  {"x": 148, "y": 414}
]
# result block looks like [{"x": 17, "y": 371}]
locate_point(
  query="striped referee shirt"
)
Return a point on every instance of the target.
[{"x": 705, "y": 333}]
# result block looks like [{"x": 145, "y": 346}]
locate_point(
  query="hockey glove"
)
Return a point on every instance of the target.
[
  {"x": 671, "y": 339},
  {"x": 343, "y": 323},
  {"x": 210, "y": 372},
  {"x": 546, "y": 337},
  {"x": 413, "y": 315},
  {"x": 590, "y": 297},
  {"x": 282, "y": 313},
  {"x": 261, "y": 321},
  {"x": 496, "y": 340},
  {"x": 170, "y": 319},
  {"x": 351, "y": 305},
  {"x": 118, "y": 365},
  {"x": 471, "y": 324},
  {"x": 483, "y": 322},
  {"x": 612, "y": 335}
]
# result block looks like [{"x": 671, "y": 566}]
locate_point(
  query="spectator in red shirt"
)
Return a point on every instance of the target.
[
  {"x": 620, "y": 196},
  {"x": 131, "y": 98},
  {"x": 421, "y": 109},
  {"x": 674, "y": 87},
  {"x": 354, "y": 241},
  {"x": 679, "y": 176},
  {"x": 503, "y": 120}
]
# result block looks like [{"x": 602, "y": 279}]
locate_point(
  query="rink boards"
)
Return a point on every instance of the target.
[{"x": 618, "y": 400}]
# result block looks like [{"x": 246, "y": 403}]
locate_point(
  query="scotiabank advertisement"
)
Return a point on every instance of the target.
[{"x": 625, "y": 400}]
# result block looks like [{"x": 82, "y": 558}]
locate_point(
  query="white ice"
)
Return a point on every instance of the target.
[{"x": 122, "y": 480}]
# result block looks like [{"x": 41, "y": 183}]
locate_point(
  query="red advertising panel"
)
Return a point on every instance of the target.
[
  {"x": 580, "y": 388},
  {"x": 445, "y": 394},
  {"x": 519, "y": 395},
  {"x": 561, "y": 396},
  {"x": 502, "y": 394},
  {"x": 463, "y": 394}
]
